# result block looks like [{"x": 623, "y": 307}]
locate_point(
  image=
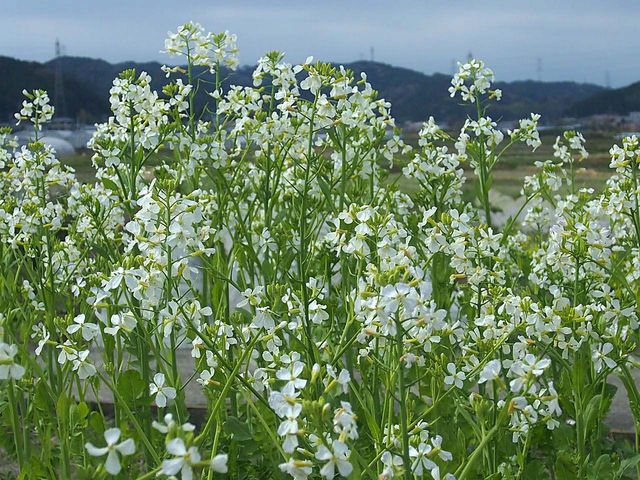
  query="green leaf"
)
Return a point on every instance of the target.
[
  {"x": 62, "y": 409},
  {"x": 41, "y": 398},
  {"x": 96, "y": 422},
  {"x": 596, "y": 410},
  {"x": 110, "y": 184},
  {"x": 365, "y": 400},
  {"x": 238, "y": 430},
  {"x": 535, "y": 470},
  {"x": 565, "y": 468},
  {"x": 602, "y": 469},
  {"x": 83, "y": 410},
  {"x": 78, "y": 414},
  {"x": 130, "y": 385},
  {"x": 325, "y": 188},
  {"x": 625, "y": 465}
]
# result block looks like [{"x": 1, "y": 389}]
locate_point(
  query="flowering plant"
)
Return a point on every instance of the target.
[{"x": 334, "y": 324}]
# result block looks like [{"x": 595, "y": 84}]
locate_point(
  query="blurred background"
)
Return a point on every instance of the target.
[{"x": 574, "y": 62}]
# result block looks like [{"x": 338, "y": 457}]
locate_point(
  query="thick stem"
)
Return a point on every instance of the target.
[{"x": 403, "y": 407}]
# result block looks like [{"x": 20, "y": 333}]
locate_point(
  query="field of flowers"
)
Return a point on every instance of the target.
[{"x": 338, "y": 326}]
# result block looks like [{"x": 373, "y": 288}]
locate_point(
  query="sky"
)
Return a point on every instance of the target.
[{"x": 593, "y": 41}]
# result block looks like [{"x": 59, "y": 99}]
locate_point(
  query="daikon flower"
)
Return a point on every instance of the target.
[
  {"x": 83, "y": 366},
  {"x": 183, "y": 461},
  {"x": 125, "y": 322},
  {"x": 454, "y": 378},
  {"x": 490, "y": 372},
  {"x": 336, "y": 458},
  {"x": 601, "y": 357},
  {"x": 112, "y": 450},
  {"x": 170, "y": 425},
  {"x": 8, "y": 368},
  {"x": 161, "y": 392},
  {"x": 219, "y": 463},
  {"x": 89, "y": 330}
]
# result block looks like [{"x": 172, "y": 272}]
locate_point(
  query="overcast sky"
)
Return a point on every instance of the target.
[{"x": 582, "y": 40}]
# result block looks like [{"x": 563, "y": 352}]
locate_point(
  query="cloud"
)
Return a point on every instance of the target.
[{"x": 578, "y": 40}]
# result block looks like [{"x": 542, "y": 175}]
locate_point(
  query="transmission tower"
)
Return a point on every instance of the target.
[{"x": 58, "y": 88}]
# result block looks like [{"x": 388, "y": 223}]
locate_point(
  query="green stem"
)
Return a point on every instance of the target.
[
  {"x": 466, "y": 471},
  {"x": 403, "y": 406},
  {"x": 15, "y": 424}
]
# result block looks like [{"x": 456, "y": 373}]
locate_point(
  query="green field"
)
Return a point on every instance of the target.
[{"x": 517, "y": 163}]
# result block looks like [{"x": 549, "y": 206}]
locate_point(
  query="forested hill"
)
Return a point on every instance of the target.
[
  {"x": 619, "y": 101},
  {"x": 81, "y": 100},
  {"x": 414, "y": 96}
]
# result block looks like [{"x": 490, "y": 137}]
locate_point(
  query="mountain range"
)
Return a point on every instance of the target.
[{"x": 414, "y": 96}]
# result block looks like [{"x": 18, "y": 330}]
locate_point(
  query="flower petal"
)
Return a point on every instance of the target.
[
  {"x": 128, "y": 447},
  {"x": 95, "y": 451},
  {"x": 112, "y": 465},
  {"x": 173, "y": 466},
  {"x": 219, "y": 463},
  {"x": 112, "y": 435},
  {"x": 176, "y": 447}
]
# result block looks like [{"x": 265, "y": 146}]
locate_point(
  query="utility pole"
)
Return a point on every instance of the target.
[
  {"x": 58, "y": 88},
  {"x": 371, "y": 54},
  {"x": 607, "y": 79},
  {"x": 539, "y": 69}
]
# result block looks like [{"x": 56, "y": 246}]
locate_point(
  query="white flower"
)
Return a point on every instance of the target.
[
  {"x": 89, "y": 330},
  {"x": 526, "y": 370},
  {"x": 219, "y": 463},
  {"x": 112, "y": 435},
  {"x": 344, "y": 421},
  {"x": 8, "y": 368},
  {"x": 170, "y": 424},
  {"x": 336, "y": 458},
  {"x": 313, "y": 83},
  {"x": 40, "y": 331},
  {"x": 263, "y": 319},
  {"x": 392, "y": 465},
  {"x": 285, "y": 403},
  {"x": 161, "y": 392},
  {"x": 126, "y": 322},
  {"x": 491, "y": 371},
  {"x": 454, "y": 377},
  {"x": 421, "y": 460},
  {"x": 291, "y": 374},
  {"x": 84, "y": 368},
  {"x": 67, "y": 353},
  {"x": 298, "y": 469},
  {"x": 251, "y": 297},
  {"x": 36, "y": 108},
  {"x": 183, "y": 461},
  {"x": 601, "y": 358},
  {"x": 206, "y": 378}
]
